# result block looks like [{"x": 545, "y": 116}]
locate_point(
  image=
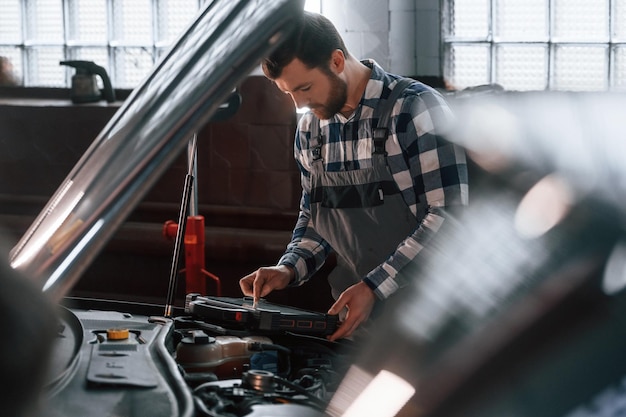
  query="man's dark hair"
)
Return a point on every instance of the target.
[{"x": 312, "y": 43}]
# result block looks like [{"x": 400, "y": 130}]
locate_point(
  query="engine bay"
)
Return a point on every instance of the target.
[
  {"x": 238, "y": 373},
  {"x": 112, "y": 362}
]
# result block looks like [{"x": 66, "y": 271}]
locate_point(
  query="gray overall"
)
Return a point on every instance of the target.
[{"x": 360, "y": 213}]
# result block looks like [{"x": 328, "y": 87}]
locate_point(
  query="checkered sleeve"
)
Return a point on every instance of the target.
[{"x": 429, "y": 170}]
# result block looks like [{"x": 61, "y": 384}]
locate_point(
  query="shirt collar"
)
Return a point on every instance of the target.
[{"x": 378, "y": 79}]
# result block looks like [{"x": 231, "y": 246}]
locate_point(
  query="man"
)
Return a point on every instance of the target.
[{"x": 374, "y": 204}]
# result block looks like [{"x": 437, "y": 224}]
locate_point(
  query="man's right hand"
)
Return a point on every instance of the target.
[{"x": 265, "y": 280}]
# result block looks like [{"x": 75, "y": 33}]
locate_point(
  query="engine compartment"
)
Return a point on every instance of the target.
[
  {"x": 113, "y": 362},
  {"x": 238, "y": 373}
]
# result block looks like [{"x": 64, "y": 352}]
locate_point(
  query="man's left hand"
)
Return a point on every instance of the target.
[{"x": 359, "y": 300}]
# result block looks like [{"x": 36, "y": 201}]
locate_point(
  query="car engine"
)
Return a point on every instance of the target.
[
  {"x": 112, "y": 363},
  {"x": 240, "y": 374}
]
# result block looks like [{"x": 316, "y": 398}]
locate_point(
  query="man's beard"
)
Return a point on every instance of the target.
[{"x": 336, "y": 100}]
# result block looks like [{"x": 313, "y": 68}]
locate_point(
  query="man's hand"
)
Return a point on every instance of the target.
[
  {"x": 265, "y": 280},
  {"x": 359, "y": 299}
]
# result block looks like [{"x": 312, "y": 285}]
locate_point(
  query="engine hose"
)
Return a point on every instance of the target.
[{"x": 318, "y": 402}]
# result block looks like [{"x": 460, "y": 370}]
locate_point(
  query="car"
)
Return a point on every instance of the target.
[
  {"x": 518, "y": 310},
  {"x": 110, "y": 357}
]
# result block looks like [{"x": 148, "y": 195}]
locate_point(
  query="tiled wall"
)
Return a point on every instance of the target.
[
  {"x": 245, "y": 163},
  {"x": 248, "y": 193},
  {"x": 247, "y": 160}
]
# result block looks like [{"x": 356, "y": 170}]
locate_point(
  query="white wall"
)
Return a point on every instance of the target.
[
  {"x": 401, "y": 35},
  {"x": 428, "y": 37}
]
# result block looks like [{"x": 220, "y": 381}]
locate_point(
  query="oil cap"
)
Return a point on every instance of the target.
[{"x": 117, "y": 334}]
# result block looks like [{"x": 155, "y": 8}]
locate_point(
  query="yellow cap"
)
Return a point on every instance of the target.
[{"x": 117, "y": 334}]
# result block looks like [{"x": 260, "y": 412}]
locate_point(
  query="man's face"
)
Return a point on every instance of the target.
[{"x": 325, "y": 93}]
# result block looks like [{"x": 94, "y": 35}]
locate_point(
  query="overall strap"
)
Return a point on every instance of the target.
[
  {"x": 315, "y": 143},
  {"x": 381, "y": 131}
]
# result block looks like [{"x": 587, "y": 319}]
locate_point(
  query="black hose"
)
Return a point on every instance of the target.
[{"x": 318, "y": 402}]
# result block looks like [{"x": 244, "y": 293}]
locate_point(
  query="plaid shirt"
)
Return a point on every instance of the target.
[{"x": 425, "y": 167}]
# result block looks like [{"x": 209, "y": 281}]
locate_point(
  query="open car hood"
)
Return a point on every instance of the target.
[{"x": 184, "y": 91}]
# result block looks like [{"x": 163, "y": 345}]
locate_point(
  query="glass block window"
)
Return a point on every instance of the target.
[
  {"x": 573, "y": 45},
  {"x": 125, "y": 37}
]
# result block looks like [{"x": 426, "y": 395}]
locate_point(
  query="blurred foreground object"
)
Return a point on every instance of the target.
[
  {"x": 28, "y": 327},
  {"x": 521, "y": 312}
]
